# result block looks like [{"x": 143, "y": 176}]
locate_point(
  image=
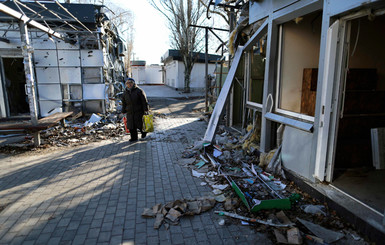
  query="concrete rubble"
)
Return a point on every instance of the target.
[
  {"x": 76, "y": 131},
  {"x": 254, "y": 192},
  {"x": 171, "y": 212}
]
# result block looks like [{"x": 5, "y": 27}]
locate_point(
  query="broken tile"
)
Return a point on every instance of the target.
[
  {"x": 158, "y": 221},
  {"x": 293, "y": 236},
  {"x": 173, "y": 215},
  {"x": 193, "y": 208},
  {"x": 220, "y": 198},
  {"x": 148, "y": 213},
  {"x": 280, "y": 237}
]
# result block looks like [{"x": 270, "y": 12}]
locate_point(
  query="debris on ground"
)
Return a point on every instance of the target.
[
  {"x": 252, "y": 190},
  {"x": 75, "y": 131},
  {"x": 171, "y": 212}
]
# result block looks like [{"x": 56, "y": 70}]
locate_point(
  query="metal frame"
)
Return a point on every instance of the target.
[{"x": 278, "y": 93}]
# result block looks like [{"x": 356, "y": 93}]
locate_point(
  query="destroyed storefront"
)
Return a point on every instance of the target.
[
  {"x": 76, "y": 74},
  {"x": 309, "y": 75}
]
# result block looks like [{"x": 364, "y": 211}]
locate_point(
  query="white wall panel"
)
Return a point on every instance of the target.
[
  {"x": 49, "y": 92},
  {"x": 70, "y": 75},
  {"x": 43, "y": 43},
  {"x": 63, "y": 45},
  {"x": 47, "y": 75},
  {"x": 14, "y": 43},
  {"x": 49, "y": 107},
  {"x": 45, "y": 58},
  {"x": 69, "y": 57},
  {"x": 94, "y": 91},
  {"x": 92, "y": 58}
]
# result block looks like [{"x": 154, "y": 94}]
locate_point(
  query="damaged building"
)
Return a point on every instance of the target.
[
  {"x": 78, "y": 72},
  {"x": 311, "y": 79}
]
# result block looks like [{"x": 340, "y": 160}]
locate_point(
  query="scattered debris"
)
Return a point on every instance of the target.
[
  {"x": 171, "y": 212},
  {"x": 327, "y": 235},
  {"x": 251, "y": 220},
  {"x": 259, "y": 191},
  {"x": 293, "y": 236}
]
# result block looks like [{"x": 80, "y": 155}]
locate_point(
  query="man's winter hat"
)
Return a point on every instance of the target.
[{"x": 129, "y": 79}]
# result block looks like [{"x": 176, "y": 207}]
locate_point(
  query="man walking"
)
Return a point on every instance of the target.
[{"x": 135, "y": 105}]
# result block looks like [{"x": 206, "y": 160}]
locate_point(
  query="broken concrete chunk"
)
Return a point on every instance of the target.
[
  {"x": 220, "y": 198},
  {"x": 230, "y": 204},
  {"x": 158, "y": 221},
  {"x": 327, "y": 235},
  {"x": 193, "y": 208},
  {"x": 220, "y": 187},
  {"x": 280, "y": 237},
  {"x": 157, "y": 208},
  {"x": 207, "y": 204},
  {"x": 293, "y": 236},
  {"x": 281, "y": 216},
  {"x": 173, "y": 215},
  {"x": 148, "y": 213}
]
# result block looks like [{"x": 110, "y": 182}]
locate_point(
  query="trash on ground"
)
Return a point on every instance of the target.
[
  {"x": 327, "y": 235},
  {"x": 171, "y": 212}
]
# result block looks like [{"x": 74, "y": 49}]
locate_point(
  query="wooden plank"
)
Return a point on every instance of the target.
[
  {"x": 43, "y": 123},
  {"x": 55, "y": 118},
  {"x": 217, "y": 112}
]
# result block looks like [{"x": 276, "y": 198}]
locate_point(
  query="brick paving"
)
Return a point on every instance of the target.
[{"x": 95, "y": 194}]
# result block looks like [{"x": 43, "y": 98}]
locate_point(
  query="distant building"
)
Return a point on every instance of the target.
[
  {"x": 146, "y": 74},
  {"x": 174, "y": 70}
]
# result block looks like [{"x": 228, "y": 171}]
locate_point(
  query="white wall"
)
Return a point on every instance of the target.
[
  {"x": 154, "y": 74},
  {"x": 175, "y": 75},
  {"x": 171, "y": 74},
  {"x": 139, "y": 74}
]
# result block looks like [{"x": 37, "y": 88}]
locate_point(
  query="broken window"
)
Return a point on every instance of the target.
[
  {"x": 72, "y": 92},
  {"x": 299, "y": 45},
  {"x": 257, "y": 72},
  {"x": 92, "y": 75},
  {"x": 93, "y": 106}
]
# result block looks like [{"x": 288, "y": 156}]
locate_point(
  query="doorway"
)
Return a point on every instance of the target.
[
  {"x": 362, "y": 109},
  {"x": 14, "y": 79}
]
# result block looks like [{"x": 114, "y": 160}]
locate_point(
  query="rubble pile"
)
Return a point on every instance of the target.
[
  {"x": 75, "y": 132},
  {"x": 170, "y": 213},
  {"x": 253, "y": 191}
]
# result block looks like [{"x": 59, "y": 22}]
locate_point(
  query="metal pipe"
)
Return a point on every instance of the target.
[{"x": 7, "y": 10}]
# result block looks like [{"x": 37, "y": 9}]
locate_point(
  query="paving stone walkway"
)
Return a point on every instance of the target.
[{"x": 95, "y": 194}]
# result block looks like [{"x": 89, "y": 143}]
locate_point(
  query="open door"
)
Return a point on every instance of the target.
[
  {"x": 326, "y": 129},
  {"x": 14, "y": 80}
]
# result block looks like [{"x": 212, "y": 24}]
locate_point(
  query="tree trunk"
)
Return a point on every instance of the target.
[{"x": 187, "y": 74}]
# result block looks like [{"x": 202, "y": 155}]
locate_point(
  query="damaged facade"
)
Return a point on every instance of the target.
[
  {"x": 77, "y": 75},
  {"x": 311, "y": 74}
]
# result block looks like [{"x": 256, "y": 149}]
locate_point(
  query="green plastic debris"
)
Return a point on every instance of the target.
[
  {"x": 294, "y": 198},
  {"x": 240, "y": 194},
  {"x": 272, "y": 204},
  {"x": 200, "y": 164},
  {"x": 282, "y": 204}
]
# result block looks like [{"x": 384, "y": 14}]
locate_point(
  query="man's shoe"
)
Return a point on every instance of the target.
[
  {"x": 144, "y": 135},
  {"x": 133, "y": 140}
]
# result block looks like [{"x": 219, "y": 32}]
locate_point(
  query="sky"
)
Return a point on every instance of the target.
[{"x": 151, "y": 36}]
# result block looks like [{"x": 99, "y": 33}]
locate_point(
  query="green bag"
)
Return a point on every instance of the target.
[{"x": 148, "y": 123}]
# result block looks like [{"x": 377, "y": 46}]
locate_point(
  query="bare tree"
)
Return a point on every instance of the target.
[{"x": 181, "y": 16}]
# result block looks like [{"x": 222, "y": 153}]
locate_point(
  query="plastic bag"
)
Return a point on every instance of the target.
[
  {"x": 125, "y": 125},
  {"x": 148, "y": 123}
]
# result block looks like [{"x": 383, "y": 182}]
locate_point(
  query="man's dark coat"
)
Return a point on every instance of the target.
[{"x": 134, "y": 104}]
